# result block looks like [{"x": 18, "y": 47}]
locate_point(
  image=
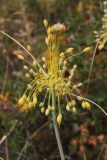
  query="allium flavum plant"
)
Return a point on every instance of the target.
[
  {"x": 101, "y": 36},
  {"x": 50, "y": 77}
]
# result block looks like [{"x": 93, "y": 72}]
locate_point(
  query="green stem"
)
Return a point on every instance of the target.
[{"x": 56, "y": 127}]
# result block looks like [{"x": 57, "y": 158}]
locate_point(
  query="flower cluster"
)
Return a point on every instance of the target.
[
  {"x": 49, "y": 76},
  {"x": 101, "y": 36}
]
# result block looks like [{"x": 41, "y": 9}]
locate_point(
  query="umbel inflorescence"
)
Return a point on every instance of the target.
[
  {"x": 49, "y": 76},
  {"x": 101, "y": 36}
]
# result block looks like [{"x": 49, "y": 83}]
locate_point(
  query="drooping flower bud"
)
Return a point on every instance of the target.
[
  {"x": 45, "y": 22},
  {"x": 59, "y": 119},
  {"x": 87, "y": 49},
  {"x": 20, "y": 57}
]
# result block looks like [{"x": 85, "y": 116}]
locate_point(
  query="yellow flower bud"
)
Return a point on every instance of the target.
[
  {"x": 24, "y": 109},
  {"x": 79, "y": 98},
  {"x": 101, "y": 46},
  {"x": 28, "y": 100},
  {"x": 79, "y": 84},
  {"x": 67, "y": 107},
  {"x": 50, "y": 30},
  {"x": 45, "y": 22},
  {"x": 42, "y": 110},
  {"x": 34, "y": 63},
  {"x": 50, "y": 38},
  {"x": 41, "y": 104},
  {"x": 47, "y": 111},
  {"x": 29, "y": 48},
  {"x": 46, "y": 41},
  {"x": 75, "y": 67},
  {"x": 34, "y": 100},
  {"x": 25, "y": 67},
  {"x": 62, "y": 55},
  {"x": 73, "y": 103},
  {"x": 86, "y": 105},
  {"x": 25, "y": 106},
  {"x": 21, "y": 101},
  {"x": 24, "y": 97},
  {"x": 20, "y": 57},
  {"x": 43, "y": 59},
  {"x": 87, "y": 49},
  {"x": 30, "y": 105},
  {"x": 83, "y": 105},
  {"x": 69, "y": 50},
  {"x": 59, "y": 119},
  {"x": 27, "y": 75},
  {"x": 74, "y": 110}
]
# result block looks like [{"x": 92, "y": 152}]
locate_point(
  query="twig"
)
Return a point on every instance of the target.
[
  {"x": 95, "y": 50},
  {"x": 30, "y": 138},
  {"x": 84, "y": 156},
  {"x": 105, "y": 155},
  {"x": 1, "y": 158},
  {"x": 15, "y": 153},
  {"x": 101, "y": 151},
  {"x": 8, "y": 134},
  {"x": 6, "y": 149}
]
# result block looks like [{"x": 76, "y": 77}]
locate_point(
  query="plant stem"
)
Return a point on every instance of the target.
[{"x": 56, "y": 127}]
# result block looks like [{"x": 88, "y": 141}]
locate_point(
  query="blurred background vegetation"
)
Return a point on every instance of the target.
[{"x": 30, "y": 136}]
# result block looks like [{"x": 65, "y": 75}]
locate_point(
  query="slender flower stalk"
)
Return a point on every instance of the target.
[{"x": 56, "y": 127}]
